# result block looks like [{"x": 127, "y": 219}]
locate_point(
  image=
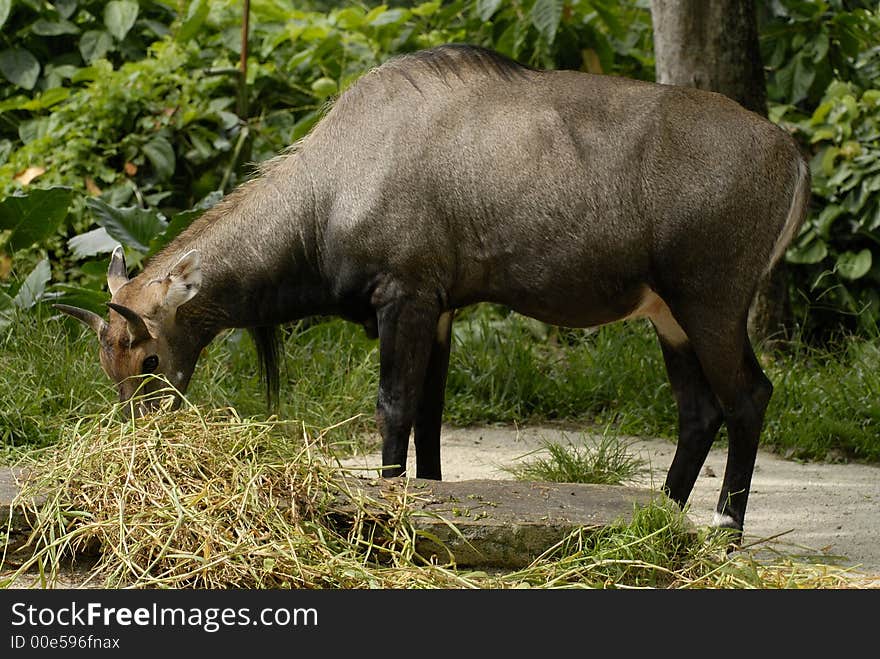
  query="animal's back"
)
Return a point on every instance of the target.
[{"x": 514, "y": 180}]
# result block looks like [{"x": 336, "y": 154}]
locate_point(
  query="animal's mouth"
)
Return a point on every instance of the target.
[{"x": 151, "y": 404}]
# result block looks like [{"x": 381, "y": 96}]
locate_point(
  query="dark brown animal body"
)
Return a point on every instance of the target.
[{"x": 454, "y": 176}]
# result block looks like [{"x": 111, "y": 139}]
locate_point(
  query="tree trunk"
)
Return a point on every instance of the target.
[{"x": 713, "y": 45}]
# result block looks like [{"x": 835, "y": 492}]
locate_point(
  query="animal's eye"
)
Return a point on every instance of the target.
[{"x": 150, "y": 364}]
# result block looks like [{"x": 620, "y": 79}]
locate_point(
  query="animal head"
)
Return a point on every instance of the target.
[{"x": 142, "y": 337}]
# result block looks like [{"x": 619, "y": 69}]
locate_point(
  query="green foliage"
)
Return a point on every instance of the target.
[
  {"x": 806, "y": 44},
  {"x": 47, "y": 42},
  {"x": 26, "y": 219},
  {"x": 33, "y": 217},
  {"x": 839, "y": 247},
  {"x": 826, "y": 403}
]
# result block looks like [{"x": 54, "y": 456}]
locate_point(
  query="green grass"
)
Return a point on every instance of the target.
[
  {"x": 504, "y": 368},
  {"x": 602, "y": 461},
  {"x": 826, "y": 404}
]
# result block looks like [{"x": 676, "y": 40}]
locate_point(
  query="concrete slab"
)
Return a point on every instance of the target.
[
  {"x": 14, "y": 524},
  {"x": 502, "y": 524}
]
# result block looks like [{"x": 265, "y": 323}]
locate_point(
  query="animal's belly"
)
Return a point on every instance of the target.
[{"x": 575, "y": 307}]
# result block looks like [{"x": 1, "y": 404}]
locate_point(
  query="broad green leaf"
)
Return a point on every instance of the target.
[
  {"x": 5, "y": 7},
  {"x": 854, "y": 265},
  {"x": 822, "y": 134},
  {"x": 826, "y": 218},
  {"x": 545, "y": 16},
  {"x": 94, "y": 44},
  {"x": 47, "y": 99},
  {"x": 119, "y": 17},
  {"x": 65, "y": 7},
  {"x": 804, "y": 74},
  {"x": 348, "y": 19},
  {"x": 14, "y": 103},
  {"x": 389, "y": 17},
  {"x": 426, "y": 8},
  {"x": 840, "y": 176},
  {"x": 35, "y": 215},
  {"x": 19, "y": 67},
  {"x": 821, "y": 112},
  {"x": 91, "y": 243},
  {"x": 78, "y": 296},
  {"x": 609, "y": 17},
  {"x": 28, "y": 131},
  {"x": 829, "y": 157},
  {"x": 94, "y": 72},
  {"x": 820, "y": 45},
  {"x": 324, "y": 87},
  {"x": 182, "y": 220},
  {"x": 871, "y": 183},
  {"x": 34, "y": 286},
  {"x": 487, "y": 8},
  {"x": 46, "y": 28},
  {"x": 161, "y": 156},
  {"x": 133, "y": 227},
  {"x": 874, "y": 223},
  {"x": 374, "y": 13},
  {"x": 812, "y": 253},
  {"x": 871, "y": 98},
  {"x": 195, "y": 17}
]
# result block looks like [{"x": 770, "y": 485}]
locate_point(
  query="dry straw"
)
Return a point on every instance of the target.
[{"x": 210, "y": 500}]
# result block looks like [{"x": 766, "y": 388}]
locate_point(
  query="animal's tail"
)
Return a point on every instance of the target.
[{"x": 796, "y": 213}]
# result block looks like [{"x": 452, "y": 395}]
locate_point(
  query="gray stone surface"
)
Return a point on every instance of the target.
[
  {"x": 498, "y": 523},
  {"x": 14, "y": 525}
]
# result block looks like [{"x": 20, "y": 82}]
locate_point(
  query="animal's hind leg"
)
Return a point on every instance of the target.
[
  {"x": 429, "y": 416},
  {"x": 743, "y": 390},
  {"x": 744, "y": 420},
  {"x": 406, "y": 332},
  {"x": 699, "y": 414}
]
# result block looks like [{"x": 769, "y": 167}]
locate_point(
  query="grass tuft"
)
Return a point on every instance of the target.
[{"x": 602, "y": 461}]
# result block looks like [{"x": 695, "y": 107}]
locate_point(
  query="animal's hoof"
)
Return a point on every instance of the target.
[{"x": 726, "y": 526}]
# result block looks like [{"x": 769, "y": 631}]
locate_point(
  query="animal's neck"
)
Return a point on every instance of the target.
[{"x": 260, "y": 256}]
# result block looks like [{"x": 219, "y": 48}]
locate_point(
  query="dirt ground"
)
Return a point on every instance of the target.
[{"x": 817, "y": 512}]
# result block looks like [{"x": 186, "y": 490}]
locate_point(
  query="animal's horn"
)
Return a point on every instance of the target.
[
  {"x": 137, "y": 328},
  {"x": 117, "y": 273},
  {"x": 88, "y": 318}
]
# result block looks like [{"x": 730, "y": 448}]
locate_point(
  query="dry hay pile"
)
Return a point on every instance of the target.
[{"x": 211, "y": 500}]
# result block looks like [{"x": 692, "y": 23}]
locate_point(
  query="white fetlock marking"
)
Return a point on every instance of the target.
[{"x": 721, "y": 520}]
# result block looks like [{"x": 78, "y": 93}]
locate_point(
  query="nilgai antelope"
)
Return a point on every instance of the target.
[{"x": 454, "y": 176}]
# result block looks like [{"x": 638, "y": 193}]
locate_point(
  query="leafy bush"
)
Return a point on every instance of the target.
[
  {"x": 839, "y": 247},
  {"x": 807, "y": 44}
]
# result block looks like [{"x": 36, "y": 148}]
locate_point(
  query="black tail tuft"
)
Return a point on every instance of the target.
[{"x": 267, "y": 340}]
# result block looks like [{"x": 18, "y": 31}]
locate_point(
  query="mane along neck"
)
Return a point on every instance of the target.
[{"x": 257, "y": 251}]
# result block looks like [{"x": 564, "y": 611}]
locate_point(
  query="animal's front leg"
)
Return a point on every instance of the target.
[
  {"x": 430, "y": 413},
  {"x": 406, "y": 335}
]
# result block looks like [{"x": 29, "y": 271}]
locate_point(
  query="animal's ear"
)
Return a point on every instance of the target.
[
  {"x": 184, "y": 279},
  {"x": 117, "y": 274}
]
